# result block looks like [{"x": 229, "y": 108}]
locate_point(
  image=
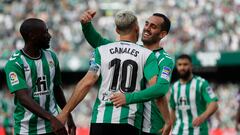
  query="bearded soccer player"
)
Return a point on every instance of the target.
[
  {"x": 156, "y": 120},
  {"x": 33, "y": 76},
  {"x": 119, "y": 66},
  {"x": 192, "y": 101}
]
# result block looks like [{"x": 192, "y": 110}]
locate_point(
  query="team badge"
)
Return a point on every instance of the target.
[
  {"x": 13, "y": 78},
  {"x": 166, "y": 73},
  {"x": 51, "y": 64}
]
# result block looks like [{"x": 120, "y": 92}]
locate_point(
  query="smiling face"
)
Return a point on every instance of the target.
[{"x": 152, "y": 30}]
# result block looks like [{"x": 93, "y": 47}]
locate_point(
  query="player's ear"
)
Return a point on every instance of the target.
[
  {"x": 117, "y": 30},
  {"x": 162, "y": 34}
]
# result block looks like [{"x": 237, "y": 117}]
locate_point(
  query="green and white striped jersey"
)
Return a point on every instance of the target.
[
  {"x": 123, "y": 66},
  {"x": 38, "y": 76},
  {"x": 153, "y": 120},
  {"x": 190, "y": 100}
]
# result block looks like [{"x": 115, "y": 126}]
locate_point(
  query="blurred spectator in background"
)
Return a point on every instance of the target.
[
  {"x": 6, "y": 110},
  {"x": 238, "y": 111}
]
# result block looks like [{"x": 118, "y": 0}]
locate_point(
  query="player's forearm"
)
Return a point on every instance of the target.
[
  {"x": 172, "y": 116},
  {"x": 32, "y": 106},
  {"x": 78, "y": 95},
  {"x": 211, "y": 108},
  {"x": 155, "y": 91},
  {"x": 59, "y": 96},
  {"x": 163, "y": 108},
  {"x": 92, "y": 36}
]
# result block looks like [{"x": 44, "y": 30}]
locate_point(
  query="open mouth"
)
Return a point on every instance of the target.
[{"x": 146, "y": 34}]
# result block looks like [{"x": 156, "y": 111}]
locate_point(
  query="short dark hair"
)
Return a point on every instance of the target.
[
  {"x": 184, "y": 56},
  {"x": 28, "y": 26},
  {"x": 166, "y": 24}
]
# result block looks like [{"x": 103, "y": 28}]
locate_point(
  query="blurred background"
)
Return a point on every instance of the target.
[{"x": 208, "y": 30}]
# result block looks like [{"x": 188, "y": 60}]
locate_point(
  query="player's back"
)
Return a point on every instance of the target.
[{"x": 123, "y": 66}]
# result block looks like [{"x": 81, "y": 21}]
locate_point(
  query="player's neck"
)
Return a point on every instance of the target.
[
  {"x": 152, "y": 47},
  {"x": 31, "y": 51},
  {"x": 128, "y": 38},
  {"x": 184, "y": 81}
]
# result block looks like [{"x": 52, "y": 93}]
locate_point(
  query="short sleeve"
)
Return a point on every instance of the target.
[
  {"x": 95, "y": 62},
  {"x": 151, "y": 68},
  {"x": 166, "y": 68},
  {"x": 15, "y": 77},
  {"x": 207, "y": 93}
]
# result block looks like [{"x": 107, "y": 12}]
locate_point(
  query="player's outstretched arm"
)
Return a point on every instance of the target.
[
  {"x": 61, "y": 101},
  {"x": 31, "y": 105},
  {"x": 91, "y": 35},
  {"x": 78, "y": 94}
]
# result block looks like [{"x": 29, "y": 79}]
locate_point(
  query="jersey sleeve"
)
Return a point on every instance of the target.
[
  {"x": 155, "y": 91},
  {"x": 150, "y": 67},
  {"x": 171, "y": 100},
  {"x": 93, "y": 37},
  {"x": 95, "y": 62},
  {"x": 57, "y": 77},
  {"x": 207, "y": 93},
  {"x": 15, "y": 77},
  {"x": 166, "y": 68}
]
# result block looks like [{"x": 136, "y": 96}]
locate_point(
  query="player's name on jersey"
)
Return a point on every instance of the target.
[{"x": 121, "y": 50}]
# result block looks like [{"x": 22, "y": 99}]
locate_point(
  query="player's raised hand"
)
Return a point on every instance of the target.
[
  {"x": 87, "y": 16},
  {"x": 118, "y": 99},
  {"x": 57, "y": 127}
]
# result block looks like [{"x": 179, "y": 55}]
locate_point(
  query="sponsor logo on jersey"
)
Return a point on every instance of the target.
[
  {"x": 182, "y": 103},
  {"x": 13, "y": 78},
  {"x": 26, "y": 68},
  {"x": 166, "y": 73}
]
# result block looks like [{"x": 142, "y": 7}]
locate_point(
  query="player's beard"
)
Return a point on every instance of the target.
[
  {"x": 185, "y": 76},
  {"x": 151, "y": 40}
]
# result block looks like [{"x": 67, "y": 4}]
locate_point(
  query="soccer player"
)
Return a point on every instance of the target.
[
  {"x": 33, "y": 76},
  {"x": 192, "y": 101},
  {"x": 156, "y": 27},
  {"x": 118, "y": 66}
]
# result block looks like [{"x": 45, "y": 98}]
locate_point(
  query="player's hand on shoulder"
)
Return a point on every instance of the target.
[
  {"x": 57, "y": 127},
  {"x": 118, "y": 99},
  {"x": 87, "y": 16}
]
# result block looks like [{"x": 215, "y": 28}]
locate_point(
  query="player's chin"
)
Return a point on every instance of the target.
[{"x": 46, "y": 46}]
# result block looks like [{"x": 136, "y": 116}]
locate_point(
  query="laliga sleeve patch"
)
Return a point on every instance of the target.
[
  {"x": 210, "y": 92},
  {"x": 13, "y": 78},
  {"x": 166, "y": 73}
]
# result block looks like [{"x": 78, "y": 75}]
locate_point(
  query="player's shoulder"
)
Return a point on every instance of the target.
[
  {"x": 175, "y": 84},
  {"x": 50, "y": 52},
  {"x": 15, "y": 59},
  {"x": 200, "y": 79},
  {"x": 16, "y": 56}
]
